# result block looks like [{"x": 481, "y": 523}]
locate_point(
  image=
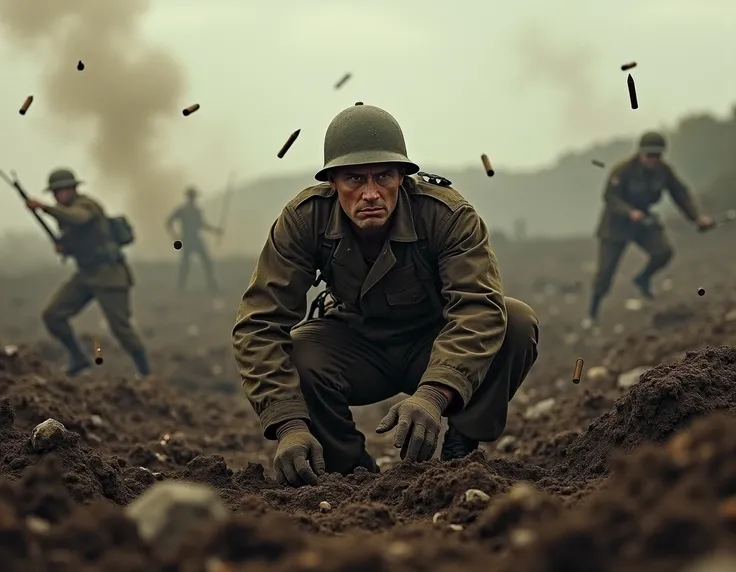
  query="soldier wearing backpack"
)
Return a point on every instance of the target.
[{"x": 95, "y": 243}]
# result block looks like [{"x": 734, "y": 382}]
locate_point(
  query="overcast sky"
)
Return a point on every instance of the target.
[{"x": 521, "y": 81}]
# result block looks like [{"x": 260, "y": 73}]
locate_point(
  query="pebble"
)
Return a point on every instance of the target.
[
  {"x": 47, "y": 435},
  {"x": 596, "y": 373},
  {"x": 324, "y": 506},
  {"x": 37, "y": 525},
  {"x": 506, "y": 444},
  {"x": 456, "y": 527},
  {"x": 521, "y": 537},
  {"x": 167, "y": 511},
  {"x": 631, "y": 378},
  {"x": 633, "y": 304},
  {"x": 472, "y": 495},
  {"x": 714, "y": 564},
  {"x": 540, "y": 408},
  {"x": 10, "y": 351},
  {"x": 399, "y": 550},
  {"x": 97, "y": 421}
]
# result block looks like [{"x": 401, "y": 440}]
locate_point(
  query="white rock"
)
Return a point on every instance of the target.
[
  {"x": 97, "y": 421},
  {"x": 521, "y": 537},
  {"x": 456, "y": 527},
  {"x": 472, "y": 495},
  {"x": 37, "y": 525},
  {"x": 540, "y": 408},
  {"x": 506, "y": 444},
  {"x": 170, "y": 509},
  {"x": 631, "y": 378},
  {"x": 47, "y": 435},
  {"x": 324, "y": 506},
  {"x": 633, "y": 304},
  {"x": 596, "y": 373},
  {"x": 10, "y": 351}
]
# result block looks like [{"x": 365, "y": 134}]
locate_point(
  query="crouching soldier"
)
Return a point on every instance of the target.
[{"x": 419, "y": 310}]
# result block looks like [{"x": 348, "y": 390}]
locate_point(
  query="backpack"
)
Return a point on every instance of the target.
[{"x": 121, "y": 230}]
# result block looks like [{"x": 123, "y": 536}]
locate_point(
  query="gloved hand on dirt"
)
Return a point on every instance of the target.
[
  {"x": 417, "y": 420},
  {"x": 299, "y": 457}
]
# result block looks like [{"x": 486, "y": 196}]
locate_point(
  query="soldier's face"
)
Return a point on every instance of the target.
[
  {"x": 650, "y": 160},
  {"x": 368, "y": 193},
  {"x": 65, "y": 196}
]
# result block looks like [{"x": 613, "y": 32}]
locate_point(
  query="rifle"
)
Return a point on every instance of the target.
[
  {"x": 16, "y": 184},
  {"x": 728, "y": 216}
]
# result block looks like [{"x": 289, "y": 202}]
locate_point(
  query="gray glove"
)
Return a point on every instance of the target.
[
  {"x": 297, "y": 450},
  {"x": 418, "y": 418}
]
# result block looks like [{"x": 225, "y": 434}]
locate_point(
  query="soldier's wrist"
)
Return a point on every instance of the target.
[
  {"x": 290, "y": 427},
  {"x": 435, "y": 394}
]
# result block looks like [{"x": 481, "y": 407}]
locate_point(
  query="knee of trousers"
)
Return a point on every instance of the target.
[
  {"x": 662, "y": 257},
  {"x": 52, "y": 319},
  {"x": 309, "y": 362},
  {"x": 522, "y": 325}
]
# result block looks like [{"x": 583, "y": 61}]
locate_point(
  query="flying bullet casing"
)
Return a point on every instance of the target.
[
  {"x": 487, "y": 165},
  {"x": 288, "y": 144},
  {"x": 191, "y": 109},
  {"x": 26, "y": 105}
]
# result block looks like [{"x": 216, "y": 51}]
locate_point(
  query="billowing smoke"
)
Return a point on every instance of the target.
[
  {"x": 123, "y": 98},
  {"x": 587, "y": 111}
]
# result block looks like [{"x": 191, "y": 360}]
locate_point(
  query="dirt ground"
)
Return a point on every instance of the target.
[{"x": 596, "y": 476}]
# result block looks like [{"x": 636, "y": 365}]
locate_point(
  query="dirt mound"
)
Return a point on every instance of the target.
[
  {"x": 662, "y": 507},
  {"x": 666, "y": 399}
]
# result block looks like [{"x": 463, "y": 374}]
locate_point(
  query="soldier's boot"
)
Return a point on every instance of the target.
[
  {"x": 592, "y": 319},
  {"x": 643, "y": 283},
  {"x": 456, "y": 445},
  {"x": 140, "y": 359},
  {"x": 78, "y": 361}
]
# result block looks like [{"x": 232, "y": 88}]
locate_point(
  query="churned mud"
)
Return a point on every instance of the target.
[{"x": 634, "y": 469}]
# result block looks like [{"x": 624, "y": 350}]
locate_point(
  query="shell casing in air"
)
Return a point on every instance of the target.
[
  {"x": 289, "y": 143},
  {"x": 629, "y": 66},
  {"x": 343, "y": 80},
  {"x": 191, "y": 109},
  {"x": 487, "y": 165},
  {"x": 26, "y": 105},
  {"x": 578, "y": 373},
  {"x": 632, "y": 92},
  {"x": 598, "y": 163},
  {"x": 98, "y": 353}
]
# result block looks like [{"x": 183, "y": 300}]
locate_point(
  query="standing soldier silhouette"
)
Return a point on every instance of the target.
[{"x": 191, "y": 224}]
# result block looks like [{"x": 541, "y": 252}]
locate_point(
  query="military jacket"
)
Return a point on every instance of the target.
[
  {"x": 437, "y": 268},
  {"x": 631, "y": 186}
]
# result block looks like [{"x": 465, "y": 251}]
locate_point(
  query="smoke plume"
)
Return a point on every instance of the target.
[
  {"x": 587, "y": 111},
  {"x": 123, "y": 98}
]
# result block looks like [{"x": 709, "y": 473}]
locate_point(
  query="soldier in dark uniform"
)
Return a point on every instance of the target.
[
  {"x": 102, "y": 275},
  {"x": 633, "y": 187},
  {"x": 191, "y": 224},
  {"x": 420, "y": 311}
]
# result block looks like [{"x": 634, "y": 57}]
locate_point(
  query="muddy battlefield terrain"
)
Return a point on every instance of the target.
[{"x": 633, "y": 469}]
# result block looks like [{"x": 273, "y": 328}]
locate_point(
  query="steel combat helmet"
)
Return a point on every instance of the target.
[{"x": 361, "y": 135}]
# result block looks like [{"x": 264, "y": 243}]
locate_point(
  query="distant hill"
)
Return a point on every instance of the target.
[{"x": 562, "y": 200}]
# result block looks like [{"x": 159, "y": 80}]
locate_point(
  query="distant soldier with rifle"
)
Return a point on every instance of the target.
[
  {"x": 95, "y": 242},
  {"x": 191, "y": 224},
  {"x": 633, "y": 188}
]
